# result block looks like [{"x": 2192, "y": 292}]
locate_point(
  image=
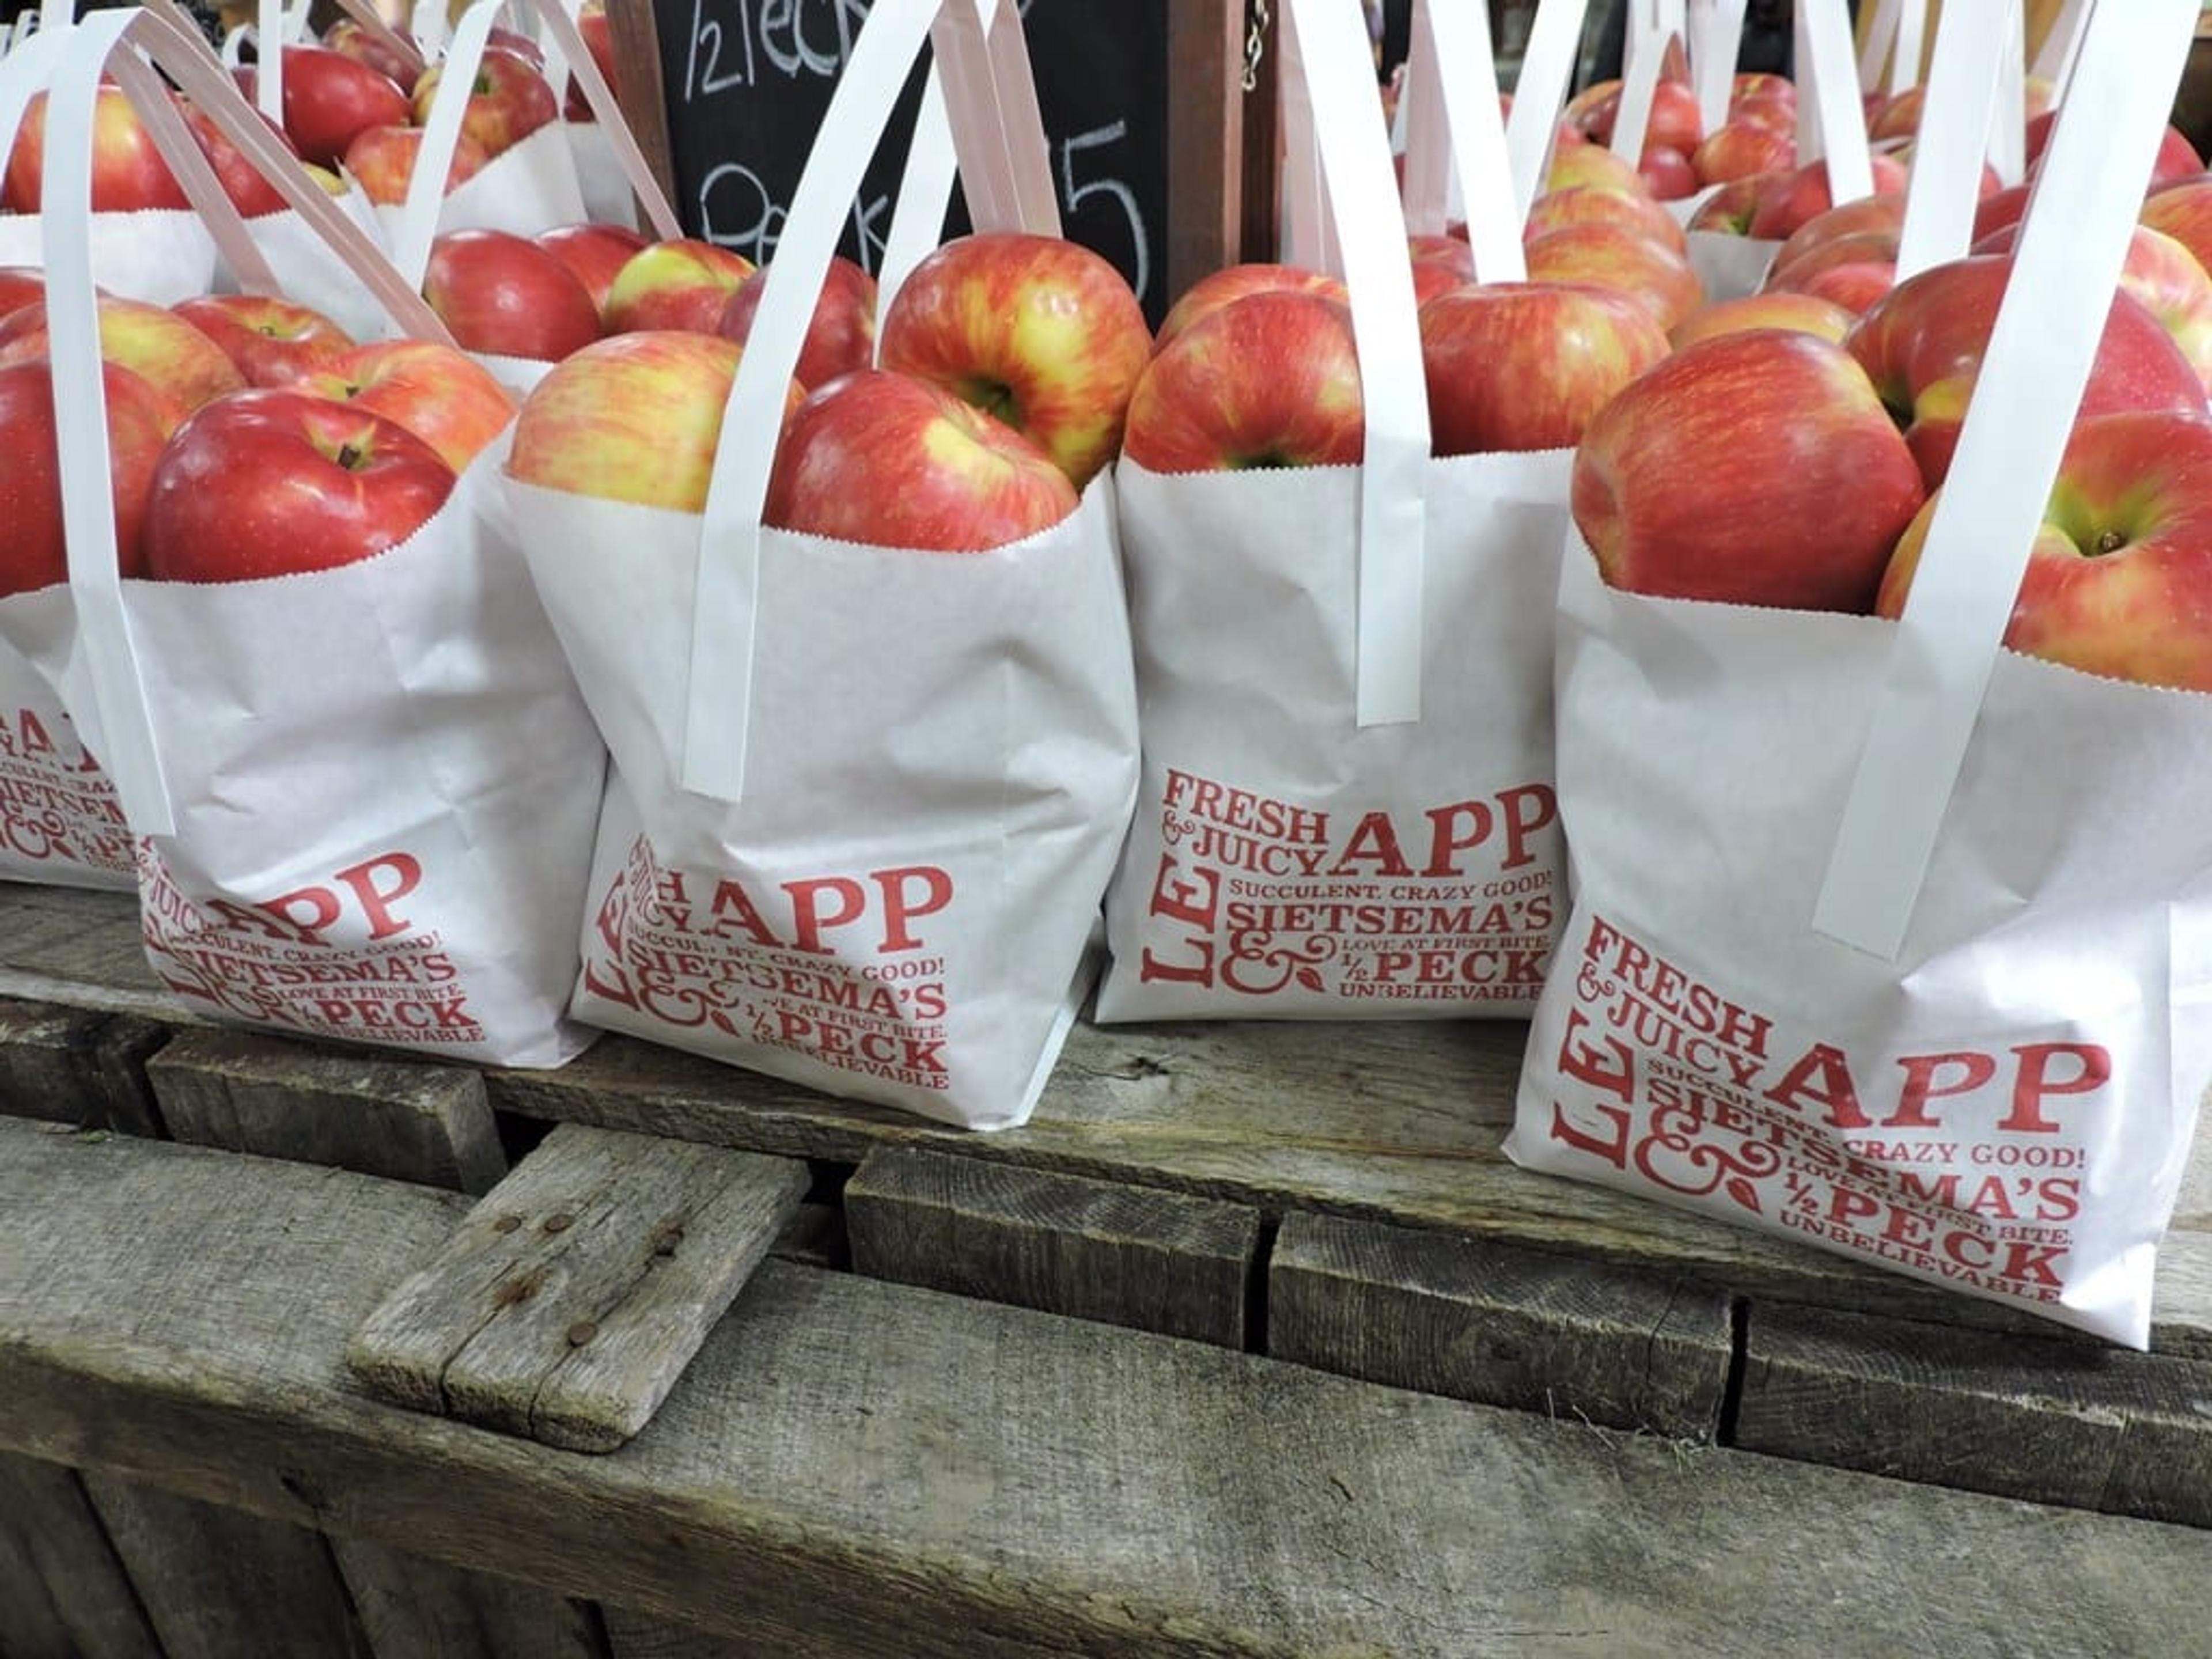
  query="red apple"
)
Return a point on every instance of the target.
[
  {"x": 682, "y": 283},
  {"x": 1524, "y": 366},
  {"x": 504, "y": 295},
  {"x": 1451, "y": 254},
  {"x": 2182, "y": 211},
  {"x": 128, "y": 172},
  {"x": 509, "y": 100},
  {"x": 1729, "y": 210},
  {"x": 2119, "y": 580},
  {"x": 382, "y": 160},
  {"x": 271, "y": 482},
  {"x": 251, "y": 193},
  {"x": 1042, "y": 333},
  {"x": 1869, "y": 215},
  {"x": 598, "y": 30},
  {"x": 272, "y": 342},
  {"x": 1756, "y": 468},
  {"x": 1898, "y": 116},
  {"x": 1233, "y": 282},
  {"x": 1674, "y": 123},
  {"x": 593, "y": 253},
  {"x": 2177, "y": 157},
  {"x": 1922, "y": 346},
  {"x": 886, "y": 460},
  {"x": 356, "y": 41},
  {"x": 1623, "y": 260},
  {"x": 183, "y": 364},
  {"x": 2160, "y": 271},
  {"x": 1587, "y": 205},
  {"x": 1271, "y": 380},
  {"x": 1775, "y": 309},
  {"x": 436, "y": 392},
  {"x": 1595, "y": 165},
  {"x": 330, "y": 99},
  {"x": 1805, "y": 195},
  {"x": 1741, "y": 148},
  {"x": 634, "y": 417},
  {"x": 32, "y": 550},
  {"x": 20, "y": 285},
  {"x": 1667, "y": 172},
  {"x": 841, "y": 336}
]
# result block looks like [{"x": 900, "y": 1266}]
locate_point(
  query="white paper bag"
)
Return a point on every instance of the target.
[
  {"x": 1346, "y": 808},
  {"x": 866, "y": 799},
  {"x": 60, "y": 824},
  {"x": 1883, "y": 939},
  {"x": 364, "y": 796}
]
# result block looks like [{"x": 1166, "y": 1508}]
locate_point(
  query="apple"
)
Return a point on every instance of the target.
[
  {"x": 1805, "y": 195},
  {"x": 19, "y": 286},
  {"x": 1756, "y": 468},
  {"x": 509, "y": 100},
  {"x": 1626, "y": 261},
  {"x": 1922, "y": 343},
  {"x": 681, "y": 283},
  {"x": 598, "y": 30},
  {"x": 183, "y": 364},
  {"x": 33, "y": 551},
  {"x": 1667, "y": 172},
  {"x": 128, "y": 172},
  {"x": 2160, "y": 271},
  {"x": 1585, "y": 204},
  {"x": 437, "y": 391},
  {"x": 272, "y": 481},
  {"x": 2176, "y": 158},
  {"x": 593, "y": 253},
  {"x": 1729, "y": 210},
  {"x": 1869, "y": 215},
  {"x": 1595, "y": 165},
  {"x": 1231, "y": 283},
  {"x": 1898, "y": 116},
  {"x": 251, "y": 193},
  {"x": 1771, "y": 308},
  {"x": 1854, "y": 270},
  {"x": 1524, "y": 366},
  {"x": 502, "y": 294},
  {"x": 270, "y": 341},
  {"x": 1042, "y": 333},
  {"x": 1271, "y": 380},
  {"x": 382, "y": 160},
  {"x": 840, "y": 335},
  {"x": 886, "y": 460},
  {"x": 2118, "y": 580},
  {"x": 1738, "y": 149},
  {"x": 330, "y": 99},
  {"x": 634, "y": 417},
  {"x": 1674, "y": 123},
  {"x": 357, "y": 41},
  {"x": 1451, "y": 254}
]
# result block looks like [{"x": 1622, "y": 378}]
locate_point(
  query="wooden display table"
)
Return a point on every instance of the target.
[{"x": 1312, "y": 1233}]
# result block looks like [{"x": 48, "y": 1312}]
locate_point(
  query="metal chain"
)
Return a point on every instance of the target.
[{"x": 1255, "y": 44}]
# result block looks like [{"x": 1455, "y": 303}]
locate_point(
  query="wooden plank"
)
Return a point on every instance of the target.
[
  {"x": 412, "y": 1606},
  {"x": 72, "y": 1065},
  {"x": 216, "y": 1583},
  {"x": 63, "y": 1593},
  {"x": 82, "y": 948},
  {"x": 640, "y": 1635},
  {"x": 1571, "y": 1338},
  {"x": 1399, "y": 1123},
  {"x": 1206, "y": 139},
  {"x": 639, "y": 89},
  {"x": 2057, "y": 1422},
  {"x": 903, "y": 1473},
  {"x": 1092, "y": 1249},
  {"x": 406, "y": 1120},
  {"x": 567, "y": 1303}
]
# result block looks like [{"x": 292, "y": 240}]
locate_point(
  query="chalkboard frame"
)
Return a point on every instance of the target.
[{"x": 1213, "y": 170}]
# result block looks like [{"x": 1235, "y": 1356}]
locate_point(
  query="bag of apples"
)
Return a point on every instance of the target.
[
  {"x": 362, "y": 784},
  {"x": 1341, "y": 572},
  {"x": 864, "y": 669},
  {"x": 1886, "y": 939},
  {"x": 149, "y": 239}
]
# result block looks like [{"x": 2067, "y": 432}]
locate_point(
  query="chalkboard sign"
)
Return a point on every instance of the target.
[{"x": 745, "y": 83}]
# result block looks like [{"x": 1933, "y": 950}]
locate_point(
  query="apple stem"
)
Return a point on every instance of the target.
[
  {"x": 348, "y": 457},
  {"x": 2112, "y": 541}
]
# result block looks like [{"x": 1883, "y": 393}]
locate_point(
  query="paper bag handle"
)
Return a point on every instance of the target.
[
  {"x": 718, "y": 708},
  {"x": 1715, "y": 41},
  {"x": 2054, "y": 57},
  {"x": 1652, "y": 24},
  {"x": 1539, "y": 92},
  {"x": 2072, "y": 245},
  {"x": 393, "y": 40},
  {"x": 1349, "y": 221},
  {"x": 1958, "y": 115},
  {"x": 1455, "y": 130},
  {"x": 1831, "y": 123}
]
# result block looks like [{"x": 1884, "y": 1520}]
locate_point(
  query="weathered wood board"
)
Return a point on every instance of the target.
[
  {"x": 1575, "y": 1339},
  {"x": 62, "y": 1592},
  {"x": 1153, "y": 1261},
  {"x": 566, "y": 1305},
  {"x": 74, "y": 1066},
  {"x": 2102, "y": 1428},
  {"x": 907, "y": 1473},
  {"x": 218, "y": 1582},
  {"x": 409, "y": 1607},
  {"x": 403, "y": 1120}
]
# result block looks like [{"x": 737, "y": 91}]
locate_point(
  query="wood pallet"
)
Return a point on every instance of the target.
[{"x": 1118, "y": 1434}]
